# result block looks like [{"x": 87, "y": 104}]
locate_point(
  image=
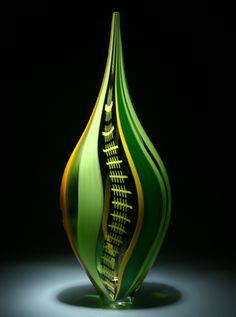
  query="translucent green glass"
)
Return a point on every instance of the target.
[{"x": 115, "y": 192}]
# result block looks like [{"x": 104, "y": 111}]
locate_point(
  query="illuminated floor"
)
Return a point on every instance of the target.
[{"x": 59, "y": 288}]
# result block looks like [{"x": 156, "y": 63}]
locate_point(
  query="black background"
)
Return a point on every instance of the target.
[{"x": 180, "y": 67}]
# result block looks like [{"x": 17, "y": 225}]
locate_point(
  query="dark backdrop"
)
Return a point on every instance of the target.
[{"x": 180, "y": 67}]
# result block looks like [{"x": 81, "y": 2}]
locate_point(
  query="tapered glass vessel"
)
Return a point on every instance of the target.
[{"x": 115, "y": 192}]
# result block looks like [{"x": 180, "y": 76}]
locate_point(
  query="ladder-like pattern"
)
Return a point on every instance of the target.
[{"x": 119, "y": 207}]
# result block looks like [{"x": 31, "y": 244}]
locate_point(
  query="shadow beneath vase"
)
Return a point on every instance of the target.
[{"x": 150, "y": 295}]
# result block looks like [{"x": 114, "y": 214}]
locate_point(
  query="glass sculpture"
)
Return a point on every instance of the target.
[{"x": 115, "y": 192}]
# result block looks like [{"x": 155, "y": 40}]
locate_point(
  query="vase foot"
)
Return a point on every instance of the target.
[{"x": 123, "y": 303}]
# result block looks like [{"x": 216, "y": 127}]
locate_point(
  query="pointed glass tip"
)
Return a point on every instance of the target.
[{"x": 116, "y": 13}]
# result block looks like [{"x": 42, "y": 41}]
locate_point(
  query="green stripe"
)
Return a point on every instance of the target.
[{"x": 156, "y": 214}]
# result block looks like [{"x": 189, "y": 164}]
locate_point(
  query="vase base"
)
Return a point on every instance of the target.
[{"x": 123, "y": 303}]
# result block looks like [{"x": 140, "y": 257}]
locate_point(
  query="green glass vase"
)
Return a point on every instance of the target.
[{"x": 115, "y": 194}]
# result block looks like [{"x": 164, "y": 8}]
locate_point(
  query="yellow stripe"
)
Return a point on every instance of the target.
[
  {"x": 140, "y": 200},
  {"x": 110, "y": 149},
  {"x": 64, "y": 183},
  {"x": 109, "y": 132}
]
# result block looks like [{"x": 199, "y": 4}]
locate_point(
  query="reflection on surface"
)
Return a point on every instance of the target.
[
  {"x": 150, "y": 295},
  {"x": 59, "y": 288}
]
